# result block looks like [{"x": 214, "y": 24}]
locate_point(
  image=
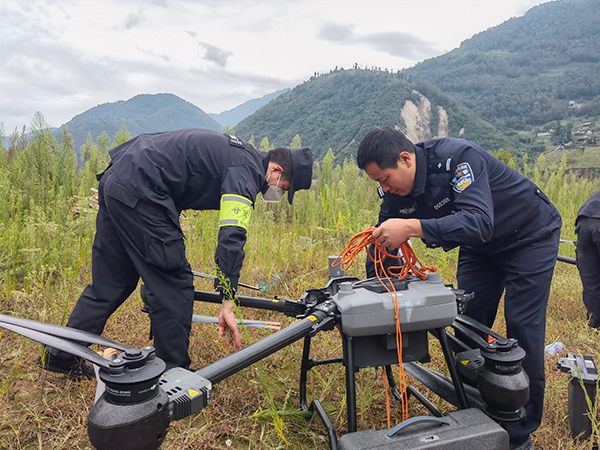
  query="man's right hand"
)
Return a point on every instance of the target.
[
  {"x": 394, "y": 232},
  {"x": 227, "y": 319}
]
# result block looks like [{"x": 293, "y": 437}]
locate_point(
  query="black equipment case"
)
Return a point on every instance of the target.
[{"x": 465, "y": 429}]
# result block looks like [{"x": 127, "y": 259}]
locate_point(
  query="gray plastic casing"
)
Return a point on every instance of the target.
[{"x": 424, "y": 305}]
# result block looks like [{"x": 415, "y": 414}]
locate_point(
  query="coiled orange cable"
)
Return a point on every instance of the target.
[{"x": 412, "y": 266}]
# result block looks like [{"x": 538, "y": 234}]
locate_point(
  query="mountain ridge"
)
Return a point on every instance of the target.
[
  {"x": 143, "y": 113},
  {"x": 337, "y": 109},
  {"x": 235, "y": 115}
]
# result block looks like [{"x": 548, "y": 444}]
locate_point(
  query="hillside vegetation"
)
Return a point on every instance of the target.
[
  {"x": 143, "y": 113},
  {"x": 46, "y": 231},
  {"x": 334, "y": 111},
  {"x": 527, "y": 71},
  {"x": 499, "y": 89}
]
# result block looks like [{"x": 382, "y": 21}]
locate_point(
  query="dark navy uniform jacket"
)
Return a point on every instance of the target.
[
  {"x": 591, "y": 207},
  {"x": 464, "y": 196},
  {"x": 193, "y": 169}
]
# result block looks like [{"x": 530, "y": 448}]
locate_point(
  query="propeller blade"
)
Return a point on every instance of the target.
[
  {"x": 271, "y": 326},
  {"x": 72, "y": 334},
  {"x": 58, "y": 343},
  {"x": 442, "y": 385}
]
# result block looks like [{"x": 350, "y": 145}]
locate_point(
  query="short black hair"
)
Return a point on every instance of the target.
[
  {"x": 282, "y": 156},
  {"x": 382, "y": 146}
]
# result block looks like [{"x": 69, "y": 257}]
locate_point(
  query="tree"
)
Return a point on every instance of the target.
[
  {"x": 228, "y": 130},
  {"x": 264, "y": 145},
  {"x": 506, "y": 157},
  {"x": 104, "y": 145},
  {"x": 122, "y": 136},
  {"x": 568, "y": 132},
  {"x": 64, "y": 167},
  {"x": 91, "y": 166},
  {"x": 296, "y": 142}
]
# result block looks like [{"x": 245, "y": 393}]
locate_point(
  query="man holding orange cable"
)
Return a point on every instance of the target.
[{"x": 453, "y": 193}]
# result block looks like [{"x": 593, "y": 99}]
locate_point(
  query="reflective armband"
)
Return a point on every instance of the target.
[{"x": 235, "y": 211}]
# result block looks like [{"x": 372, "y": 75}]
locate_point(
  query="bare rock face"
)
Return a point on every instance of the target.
[
  {"x": 443, "y": 128},
  {"x": 417, "y": 118}
]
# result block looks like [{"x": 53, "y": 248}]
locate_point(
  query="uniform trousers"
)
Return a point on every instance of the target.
[
  {"x": 588, "y": 263},
  {"x": 139, "y": 240},
  {"x": 524, "y": 268}
]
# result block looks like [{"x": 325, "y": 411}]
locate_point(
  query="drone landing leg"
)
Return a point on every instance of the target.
[
  {"x": 458, "y": 386},
  {"x": 304, "y": 368},
  {"x": 348, "y": 351},
  {"x": 316, "y": 406},
  {"x": 410, "y": 390}
]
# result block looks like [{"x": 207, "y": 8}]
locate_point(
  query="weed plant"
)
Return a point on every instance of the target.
[{"x": 46, "y": 233}]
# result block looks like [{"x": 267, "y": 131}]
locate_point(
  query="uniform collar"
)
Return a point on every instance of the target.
[
  {"x": 265, "y": 162},
  {"x": 420, "y": 172}
]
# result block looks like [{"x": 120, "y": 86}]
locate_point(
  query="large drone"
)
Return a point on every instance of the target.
[{"x": 487, "y": 384}]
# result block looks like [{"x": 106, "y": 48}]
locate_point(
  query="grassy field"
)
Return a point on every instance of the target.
[
  {"x": 588, "y": 158},
  {"x": 45, "y": 264}
]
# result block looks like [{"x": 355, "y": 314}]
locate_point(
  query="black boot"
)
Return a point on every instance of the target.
[{"x": 75, "y": 368}]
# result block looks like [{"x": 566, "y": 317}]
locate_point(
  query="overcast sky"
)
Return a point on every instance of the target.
[{"x": 63, "y": 57}]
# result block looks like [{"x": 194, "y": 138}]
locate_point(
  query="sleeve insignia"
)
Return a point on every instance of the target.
[
  {"x": 463, "y": 177},
  {"x": 235, "y": 141}
]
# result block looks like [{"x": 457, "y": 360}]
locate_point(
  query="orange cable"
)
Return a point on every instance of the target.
[{"x": 412, "y": 266}]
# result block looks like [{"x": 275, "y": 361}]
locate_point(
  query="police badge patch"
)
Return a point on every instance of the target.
[
  {"x": 235, "y": 141},
  {"x": 463, "y": 177}
]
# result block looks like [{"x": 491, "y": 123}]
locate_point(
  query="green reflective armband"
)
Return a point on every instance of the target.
[{"x": 235, "y": 211}]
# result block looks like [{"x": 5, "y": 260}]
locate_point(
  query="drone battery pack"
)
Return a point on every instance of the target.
[
  {"x": 368, "y": 308},
  {"x": 466, "y": 429}
]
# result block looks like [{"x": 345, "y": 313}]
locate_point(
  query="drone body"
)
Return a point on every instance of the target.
[{"x": 141, "y": 399}]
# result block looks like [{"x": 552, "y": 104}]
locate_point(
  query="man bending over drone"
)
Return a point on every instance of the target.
[
  {"x": 150, "y": 180},
  {"x": 451, "y": 192}
]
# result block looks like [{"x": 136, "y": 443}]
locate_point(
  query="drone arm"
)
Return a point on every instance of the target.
[
  {"x": 475, "y": 325},
  {"x": 289, "y": 307},
  {"x": 477, "y": 340},
  {"x": 237, "y": 361}
]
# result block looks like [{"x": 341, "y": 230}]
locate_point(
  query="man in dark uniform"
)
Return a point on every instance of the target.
[
  {"x": 587, "y": 227},
  {"x": 150, "y": 180},
  {"x": 451, "y": 192}
]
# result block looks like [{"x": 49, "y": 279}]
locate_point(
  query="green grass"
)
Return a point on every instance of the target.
[
  {"x": 45, "y": 264},
  {"x": 588, "y": 158}
]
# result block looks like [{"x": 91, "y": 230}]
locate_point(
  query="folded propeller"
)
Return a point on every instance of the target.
[{"x": 70, "y": 340}]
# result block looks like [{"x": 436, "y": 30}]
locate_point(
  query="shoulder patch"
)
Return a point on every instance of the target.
[
  {"x": 463, "y": 177},
  {"x": 235, "y": 141}
]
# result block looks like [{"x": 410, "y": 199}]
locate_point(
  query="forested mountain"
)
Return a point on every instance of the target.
[
  {"x": 526, "y": 72},
  {"x": 143, "y": 113},
  {"x": 529, "y": 70},
  {"x": 234, "y": 116},
  {"x": 337, "y": 109}
]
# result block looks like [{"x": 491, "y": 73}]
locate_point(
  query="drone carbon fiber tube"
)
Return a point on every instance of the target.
[
  {"x": 289, "y": 307},
  {"x": 249, "y": 302},
  {"x": 567, "y": 259},
  {"x": 241, "y": 359}
]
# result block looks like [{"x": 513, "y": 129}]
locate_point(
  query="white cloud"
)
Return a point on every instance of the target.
[{"x": 62, "y": 57}]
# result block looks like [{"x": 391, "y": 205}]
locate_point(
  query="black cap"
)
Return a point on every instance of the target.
[{"x": 302, "y": 165}]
